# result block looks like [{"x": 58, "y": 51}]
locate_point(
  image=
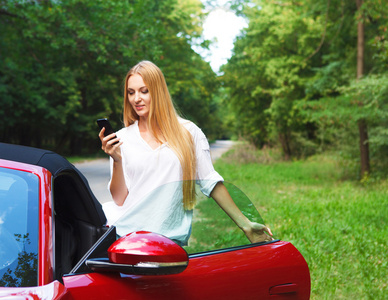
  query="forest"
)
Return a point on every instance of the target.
[{"x": 305, "y": 76}]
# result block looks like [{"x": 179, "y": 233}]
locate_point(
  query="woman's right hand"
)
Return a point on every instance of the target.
[
  {"x": 257, "y": 233},
  {"x": 111, "y": 145}
]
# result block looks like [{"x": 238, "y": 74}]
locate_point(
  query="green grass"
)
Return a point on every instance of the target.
[
  {"x": 84, "y": 158},
  {"x": 339, "y": 226}
]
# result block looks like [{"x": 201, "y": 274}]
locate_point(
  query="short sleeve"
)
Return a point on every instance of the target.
[{"x": 207, "y": 177}]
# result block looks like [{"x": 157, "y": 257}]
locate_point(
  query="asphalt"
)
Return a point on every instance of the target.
[{"x": 97, "y": 171}]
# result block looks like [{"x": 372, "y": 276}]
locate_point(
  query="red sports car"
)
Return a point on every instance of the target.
[{"x": 54, "y": 244}]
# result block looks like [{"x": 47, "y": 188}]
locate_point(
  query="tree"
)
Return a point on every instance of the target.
[
  {"x": 362, "y": 125},
  {"x": 63, "y": 62},
  {"x": 352, "y": 102},
  {"x": 268, "y": 71},
  {"x": 296, "y": 62}
]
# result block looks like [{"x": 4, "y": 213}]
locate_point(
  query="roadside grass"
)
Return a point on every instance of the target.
[
  {"x": 84, "y": 158},
  {"x": 339, "y": 226}
]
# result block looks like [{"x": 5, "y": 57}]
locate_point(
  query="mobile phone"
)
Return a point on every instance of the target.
[
  {"x": 108, "y": 128},
  {"x": 105, "y": 123}
]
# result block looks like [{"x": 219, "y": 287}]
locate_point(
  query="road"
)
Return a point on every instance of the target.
[{"x": 97, "y": 171}]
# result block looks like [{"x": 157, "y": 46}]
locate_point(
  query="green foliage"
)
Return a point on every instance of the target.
[
  {"x": 339, "y": 226},
  {"x": 305, "y": 51},
  {"x": 269, "y": 69},
  {"x": 63, "y": 62},
  {"x": 362, "y": 99}
]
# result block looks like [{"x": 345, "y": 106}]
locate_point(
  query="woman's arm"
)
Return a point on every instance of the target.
[
  {"x": 118, "y": 188},
  {"x": 255, "y": 232}
]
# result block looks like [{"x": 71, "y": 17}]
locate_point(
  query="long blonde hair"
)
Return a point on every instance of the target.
[{"x": 164, "y": 124}]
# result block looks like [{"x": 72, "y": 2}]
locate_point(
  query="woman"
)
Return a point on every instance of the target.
[{"x": 158, "y": 147}]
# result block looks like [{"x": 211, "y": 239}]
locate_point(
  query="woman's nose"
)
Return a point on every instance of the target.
[{"x": 137, "y": 97}]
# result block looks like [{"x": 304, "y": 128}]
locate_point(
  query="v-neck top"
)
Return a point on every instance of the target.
[{"x": 146, "y": 169}]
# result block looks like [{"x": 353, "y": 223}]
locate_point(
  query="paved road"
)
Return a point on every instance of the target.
[{"x": 97, "y": 171}]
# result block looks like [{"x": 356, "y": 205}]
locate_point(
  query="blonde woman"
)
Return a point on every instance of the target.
[{"x": 157, "y": 147}]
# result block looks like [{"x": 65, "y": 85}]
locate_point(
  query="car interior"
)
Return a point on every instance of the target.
[{"x": 77, "y": 228}]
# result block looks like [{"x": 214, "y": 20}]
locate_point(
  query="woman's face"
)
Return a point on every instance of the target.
[{"x": 139, "y": 96}]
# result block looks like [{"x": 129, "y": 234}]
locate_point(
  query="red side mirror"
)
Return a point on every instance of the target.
[
  {"x": 146, "y": 247},
  {"x": 143, "y": 253}
]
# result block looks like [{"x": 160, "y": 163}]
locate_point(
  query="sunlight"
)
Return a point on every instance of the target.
[{"x": 221, "y": 26}]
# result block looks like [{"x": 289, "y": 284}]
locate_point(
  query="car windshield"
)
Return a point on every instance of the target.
[
  {"x": 19, "y": 198},
  {"x": 205, "y": 228}
]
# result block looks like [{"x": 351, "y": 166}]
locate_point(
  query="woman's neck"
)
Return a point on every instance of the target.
[
  {"x": 147, "y": 132},
  {"x": 143, "y": 125}
]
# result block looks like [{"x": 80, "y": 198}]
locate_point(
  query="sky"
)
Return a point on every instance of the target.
[{"x": 222, "y": 25}]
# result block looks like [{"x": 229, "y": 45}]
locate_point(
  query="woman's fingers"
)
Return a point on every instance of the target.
[
  {"x": 101, "y": 134},
  {"x": 108, "y": 137},
  {"x": 110, "y": 144},
  {"x": 267, "y": 229},
  {"x": 261, "y": 233}
]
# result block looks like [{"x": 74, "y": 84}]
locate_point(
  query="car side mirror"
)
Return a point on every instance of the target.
[{"x": 142, "y": 253}]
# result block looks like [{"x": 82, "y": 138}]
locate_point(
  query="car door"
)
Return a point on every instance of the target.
[
  {"x": 272, "y": 271},
  {"x": 222, "y": 265}
]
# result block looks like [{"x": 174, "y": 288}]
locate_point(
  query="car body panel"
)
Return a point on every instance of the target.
[
  {"x": 247, "y": 273},
  {"x": 52, "y": 291}
]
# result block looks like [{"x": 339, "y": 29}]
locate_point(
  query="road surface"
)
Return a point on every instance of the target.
[{"x": 97, "y": 171}]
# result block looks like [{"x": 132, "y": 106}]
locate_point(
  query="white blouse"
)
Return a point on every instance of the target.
[{"x": 147, "y": 206}]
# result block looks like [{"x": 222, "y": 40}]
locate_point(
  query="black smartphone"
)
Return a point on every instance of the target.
[
  {"x": 105, "y": 123},
  {"x": 108, "y": 128}
]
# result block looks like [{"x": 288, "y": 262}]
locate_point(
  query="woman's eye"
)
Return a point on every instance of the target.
[
  {"x": 144, "y": 91},
  {"x": 131, "y": 93}
]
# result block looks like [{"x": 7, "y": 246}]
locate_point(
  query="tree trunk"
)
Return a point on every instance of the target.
[
  {"x": 284, "y": 141},
  {"x": 364, "y": 147},
  {"x": 362, "y": 124},
  {"x": 360, "y": 43}
]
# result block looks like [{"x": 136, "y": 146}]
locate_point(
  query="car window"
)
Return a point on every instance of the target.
[
  {"x": 18, "y": 228},
  {"x": 207, "y": 226},
  {"x": 212, "y": 229}
]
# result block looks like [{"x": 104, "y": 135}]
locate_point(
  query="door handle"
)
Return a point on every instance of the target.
[{"x": 283, "y": 289}]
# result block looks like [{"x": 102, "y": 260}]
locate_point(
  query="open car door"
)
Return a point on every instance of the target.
[{"x": 221, "y": 263}]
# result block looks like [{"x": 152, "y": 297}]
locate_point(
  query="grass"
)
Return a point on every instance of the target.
[
  {"x": 339, "y": 226},
  {"x": 84, "y": 158}
]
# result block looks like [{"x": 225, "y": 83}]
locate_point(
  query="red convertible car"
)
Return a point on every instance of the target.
[{"x": 54, "y": 244}]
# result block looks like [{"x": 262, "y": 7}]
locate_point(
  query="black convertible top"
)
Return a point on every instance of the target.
[
  {"x": 59, "y": 168},
  {"x": 34, "y": 156}
]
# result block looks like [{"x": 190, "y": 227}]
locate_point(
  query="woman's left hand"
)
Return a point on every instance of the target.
[{"x": 257, "y": 233}]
